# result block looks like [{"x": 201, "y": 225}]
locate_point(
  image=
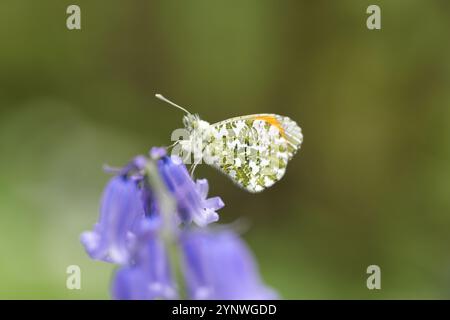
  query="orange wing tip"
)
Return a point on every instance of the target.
[{"x": 273, "y": 121}]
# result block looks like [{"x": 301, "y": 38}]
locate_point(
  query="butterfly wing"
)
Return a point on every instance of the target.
[{"x": 253, "y": 150}]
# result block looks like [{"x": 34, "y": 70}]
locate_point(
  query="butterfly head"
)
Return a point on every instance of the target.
[{"x": 192, "y": 122}]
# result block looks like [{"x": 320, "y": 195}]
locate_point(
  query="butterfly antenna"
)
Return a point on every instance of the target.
[{"x": 161, "y": 97}]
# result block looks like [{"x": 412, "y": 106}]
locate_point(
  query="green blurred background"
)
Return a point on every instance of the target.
[{"x": 370, "y": 185}]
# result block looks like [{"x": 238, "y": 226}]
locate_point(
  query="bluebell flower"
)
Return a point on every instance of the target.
[
  {"x": 157, "y": 152},
  {"x": 149, "y": 276},
  {"x": 121, "y": 210},
  {"x": 125, "y": 202},
  {"x": 149, "y": 201},
  {"x": 133, "y": 169},
  {"x": 191, "y": 197},
  {"x": 218, "y": 265}
]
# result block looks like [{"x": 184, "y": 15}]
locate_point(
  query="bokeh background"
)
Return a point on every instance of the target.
[{"x": 370, "y": 185}]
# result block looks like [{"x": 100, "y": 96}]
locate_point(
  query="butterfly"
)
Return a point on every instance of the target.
[{"x": 252, "y": 150}]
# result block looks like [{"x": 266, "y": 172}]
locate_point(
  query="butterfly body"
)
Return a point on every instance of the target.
[{"x": 252, "y": 150}]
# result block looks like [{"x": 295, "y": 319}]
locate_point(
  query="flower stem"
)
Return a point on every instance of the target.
[{"x": 168, "y": 209}]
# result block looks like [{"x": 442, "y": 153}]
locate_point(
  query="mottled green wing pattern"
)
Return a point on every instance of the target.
[{"x": 253, "y": 150}]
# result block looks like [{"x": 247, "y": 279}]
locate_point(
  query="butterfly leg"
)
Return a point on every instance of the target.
[
  {"x": 172, "y": 145},
  {"x": 192, "y": 169}
]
